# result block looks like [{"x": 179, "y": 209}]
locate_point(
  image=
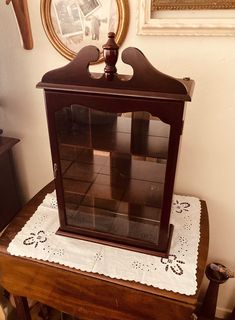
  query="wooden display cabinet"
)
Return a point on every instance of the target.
[{"x": 114, "y": 142}]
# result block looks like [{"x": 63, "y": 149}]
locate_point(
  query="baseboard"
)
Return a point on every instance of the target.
[{"x": 222, "y": 313}]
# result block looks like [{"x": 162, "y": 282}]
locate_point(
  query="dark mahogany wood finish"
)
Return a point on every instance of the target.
[{"x": 85, "y": 112}]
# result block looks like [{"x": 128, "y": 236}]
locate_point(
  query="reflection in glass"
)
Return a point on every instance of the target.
[{"x": 113, "y": 168}]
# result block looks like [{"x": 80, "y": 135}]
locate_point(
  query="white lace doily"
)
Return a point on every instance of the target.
[{"x": 38, "y": 240}]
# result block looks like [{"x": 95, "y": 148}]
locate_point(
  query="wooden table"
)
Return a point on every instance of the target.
[{"x": 88, "y": 295}]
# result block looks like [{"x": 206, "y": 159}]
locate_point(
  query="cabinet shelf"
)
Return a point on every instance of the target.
[
  {"x": 136, "y": 181},
  {"x": 124, "y": 135},
  {"x": 115, "y": 223}
]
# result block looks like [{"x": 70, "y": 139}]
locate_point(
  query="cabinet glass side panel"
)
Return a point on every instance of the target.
[{"x": 113, "y": 170}]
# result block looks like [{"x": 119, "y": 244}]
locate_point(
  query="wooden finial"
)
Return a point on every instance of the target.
[{"x": 110, "y": 56}]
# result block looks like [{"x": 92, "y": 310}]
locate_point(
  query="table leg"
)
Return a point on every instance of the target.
[{"x": 22, "y": 308}]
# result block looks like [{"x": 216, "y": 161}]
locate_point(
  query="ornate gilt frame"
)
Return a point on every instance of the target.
[
  {"x": 196, "y": 24},
  {"x": 123, "y": 22},
  {"x": 191, "y": 4}
]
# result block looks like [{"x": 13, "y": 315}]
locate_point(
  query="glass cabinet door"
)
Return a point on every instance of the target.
[{"x": 113, "y": 171}]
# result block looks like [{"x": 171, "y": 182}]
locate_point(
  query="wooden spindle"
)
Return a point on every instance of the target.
[{"x": 216, "y": 277}]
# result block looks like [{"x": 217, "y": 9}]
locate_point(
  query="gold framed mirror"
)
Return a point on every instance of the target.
[{"x": 73, "y": 24}]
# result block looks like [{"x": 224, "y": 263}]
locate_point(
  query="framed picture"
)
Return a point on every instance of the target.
[
  {"x": 73, "y": 24},
  {"x": 191, "y": 4},
  {"x": 188, "y": 17}
]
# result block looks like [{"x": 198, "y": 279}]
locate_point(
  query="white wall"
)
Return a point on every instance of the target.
[{"x": 206, "y": 163}]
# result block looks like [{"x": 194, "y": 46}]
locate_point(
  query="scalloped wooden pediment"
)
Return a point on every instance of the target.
[{"x": 145, "y": 77}]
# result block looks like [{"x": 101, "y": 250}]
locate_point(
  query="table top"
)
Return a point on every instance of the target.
[{"x": 73, "y": 291}]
